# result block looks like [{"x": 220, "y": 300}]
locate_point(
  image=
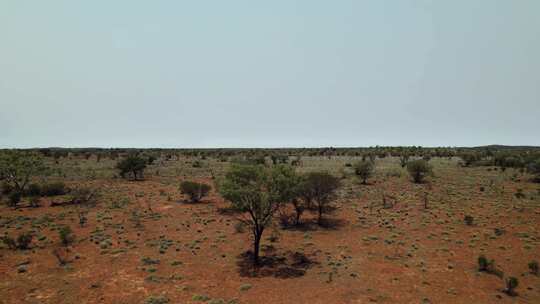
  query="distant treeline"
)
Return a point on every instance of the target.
[
  {"x": 525, "y": 158},
  {"x": 485, "y": 155}
]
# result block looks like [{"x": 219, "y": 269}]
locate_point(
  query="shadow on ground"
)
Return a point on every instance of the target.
[{"x": 272, "y": 264}]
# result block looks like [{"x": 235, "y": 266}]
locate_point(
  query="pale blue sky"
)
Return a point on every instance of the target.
[{"x": 269, "y": 73}]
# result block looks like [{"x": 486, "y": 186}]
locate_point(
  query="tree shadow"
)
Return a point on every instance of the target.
[
  {"x": 228, "y": 211},
  {"x": 332, "y": 223},
  {"x": 313, "y": 225},
  {"x": 190, "y": 202},
  {"x": 284, "y": 266}
]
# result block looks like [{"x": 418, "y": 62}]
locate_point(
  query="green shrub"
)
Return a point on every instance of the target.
[
  {"x": 33, "y": 190},
  {"x": 318, "y": 189},
  {"x": 9, "y": 242},
  {"x": 157, "y": 300},
  {"x": 534, "y": 168},
  {"x": 195, "y": 191},
  {"x": 66, "y": 235},
  {"x": 484, "y": 264},
  {"x": 14, "y": 198},
  {"x": 22, "y": 242},
  {"x": 200, "y": 298},
  {"x": 418, "y": 169},
  {"x": 488, "y": 266},
  {"x": 364, "y": 170},
  {"x": 403, "y": 160},
  {"x": 132, "y": 167},
  {"x": 533, "y": 267},
  {"x": 511, "y": 284},
  {"x": 53, "y": 189}
]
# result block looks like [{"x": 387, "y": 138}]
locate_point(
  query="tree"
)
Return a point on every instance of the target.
[
  {"x": 257, "y": 192},
  {"x": 403, "y": 160},
  {"x": 319, "y": 188},
  {"x": 195, "y": 191},
  {"x": 418, "y": 169},
  {"x": 286, "y": 182},
  {"x": 17, "y": 168},
  {"x": 534, "y": 168},
  {"x": 132, "y": 166},
  {"x": 364, "y": 170}
]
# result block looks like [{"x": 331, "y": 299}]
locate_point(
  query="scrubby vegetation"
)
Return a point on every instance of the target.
[
  {"x": 364, "y": 170},
  {"x": 132, "y": 167},
  {"x": 195, "y": 191},
  {"x": 307, "y": 219},
  {"x": 418, "y": 169}
]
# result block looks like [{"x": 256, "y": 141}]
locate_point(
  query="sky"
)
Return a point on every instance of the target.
[{"x": 281, "y": 73}]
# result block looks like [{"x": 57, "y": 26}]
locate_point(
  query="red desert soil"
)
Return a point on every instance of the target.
[{"x": 192, "y": 253}]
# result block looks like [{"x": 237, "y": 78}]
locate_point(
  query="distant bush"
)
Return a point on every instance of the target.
[
  {"x": 53, "y": 189},
  {"x": 195, "y": 191},
  {"x": 132, "y": 167},
  {"x": 318, "y": 189},
  {"x": 534, "y": 168},
  {"x": 488, "y": 266},
  {"x": 9, "y": 242},
  {"x": 470, "y": 158},
  {"x": 403, "y": 160},
  {"x": 157, "y": 300},
  {"x": 511, "y": 284},
  {"x": 364, "y": 170},
  {"x": 66, "y": 235},
  {"x": 84, "y": 196},
  {"x": 533, "y": 267},
  {"x": 418, "y": 169},
  {"x": 22, "y": 242},
  {"x": 484, "y": 264}
]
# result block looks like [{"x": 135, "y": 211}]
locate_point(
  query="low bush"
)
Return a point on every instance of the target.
[
  {"x": 53, "y": 189},
  {"x": 84, "y": 196},
  {"x": 22, "y": 242},
  {"x": 488, "y": 266},
  {"x": 533, "y": 267},
  {"x": 511, "y": 284},
  {"x": 364, "y": 170},
  {"x": 418, "y": 169},
  {"x": 195, "y": 191},
  {"x": 66, "y": 236}
]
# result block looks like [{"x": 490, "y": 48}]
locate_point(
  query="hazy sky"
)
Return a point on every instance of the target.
[{"x": 269, "y": 73}]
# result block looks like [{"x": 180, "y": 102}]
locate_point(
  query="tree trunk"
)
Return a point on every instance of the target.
[
  {"x": 256, "y": 245},
  {"x": 298, "y": 215},
  {"x": 319, "y": 220}
]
